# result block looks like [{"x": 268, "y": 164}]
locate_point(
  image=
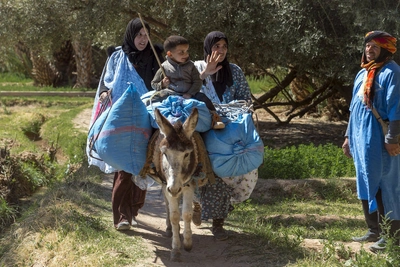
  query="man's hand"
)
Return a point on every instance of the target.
[
  {"x": 393, "y": 149},
  {"x": 346, "y": 148}
]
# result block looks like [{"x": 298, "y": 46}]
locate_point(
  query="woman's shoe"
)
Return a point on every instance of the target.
[
  {"x": 134, "y": 222},
  {"x": 123, "y": 226},
  {"x": 217, "y": 124},
  {"x": 218, "y": 230},
  {"x": 196, "y": 217}
]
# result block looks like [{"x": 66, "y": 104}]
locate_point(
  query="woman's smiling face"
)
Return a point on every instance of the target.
[{"x": 221, "y": 47}]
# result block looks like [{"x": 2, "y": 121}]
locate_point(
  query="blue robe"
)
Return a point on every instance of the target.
[{"x": 375, "y": 168}]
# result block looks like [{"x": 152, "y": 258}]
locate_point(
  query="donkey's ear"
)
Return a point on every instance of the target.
[
  {"x": 165, "y": 126},
  {"x": 190, "y": 124}
]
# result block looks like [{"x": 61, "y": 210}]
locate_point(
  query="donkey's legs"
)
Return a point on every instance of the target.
[
  {"x": 168, "y": 231},
  {"x": 174, "y": 216},
  {"x": 187, "y": 212}
]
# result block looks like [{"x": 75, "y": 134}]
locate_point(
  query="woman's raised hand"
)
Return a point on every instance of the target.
[{"x": 211, "y": 66}]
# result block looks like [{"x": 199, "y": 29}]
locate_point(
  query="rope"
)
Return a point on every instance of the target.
[
  {"x": 233, "y": 110},
  {"x": 104, "y": 106}
]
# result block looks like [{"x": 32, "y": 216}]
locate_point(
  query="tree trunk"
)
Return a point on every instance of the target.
[
  {"x": 83, "y": 59},
  {"x": 43, "y": 72},
  {"x": 65, "y": 64}
]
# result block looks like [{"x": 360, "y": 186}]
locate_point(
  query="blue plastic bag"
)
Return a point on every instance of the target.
[
  {"x": 122, "y": 133},
  {"x": 176, "y": 108},
  {"x": 235, "y": 150}
]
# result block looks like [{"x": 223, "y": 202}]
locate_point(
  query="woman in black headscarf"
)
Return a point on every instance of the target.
[
  {"x": 135, "y": 63},
  {"x": 223, "y": 82},
  {"x": 136, "y": 46}
]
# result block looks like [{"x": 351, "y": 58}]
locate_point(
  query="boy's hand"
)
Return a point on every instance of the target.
[
  {"x": 187, "y": 96},
  {"x": 165, "y": 82}
]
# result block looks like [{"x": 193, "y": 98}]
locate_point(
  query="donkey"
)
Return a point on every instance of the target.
[{"x": 179, "y": 158}]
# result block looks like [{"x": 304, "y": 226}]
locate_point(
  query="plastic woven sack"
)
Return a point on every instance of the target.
[
  {"x": 235, "y": 150},
  {"x": 122, "y": 133},
  {"x": 176, "y": 108}
]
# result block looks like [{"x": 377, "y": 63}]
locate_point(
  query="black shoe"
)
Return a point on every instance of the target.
[
  {"x": 219, "y": 233},
  {"x": 218, "y": 230},
  {"x": 378, "y": 246},
  {"x": 196, "y": 217},
  {"x": 368, "y": 237}
]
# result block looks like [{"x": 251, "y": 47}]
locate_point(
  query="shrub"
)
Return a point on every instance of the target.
[{"x": 31, "y": 127}]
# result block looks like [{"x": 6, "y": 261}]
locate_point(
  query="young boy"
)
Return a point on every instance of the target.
[{"x": 182, "y": 76}]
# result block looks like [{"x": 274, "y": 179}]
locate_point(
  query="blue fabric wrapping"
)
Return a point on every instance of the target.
[
  {"x": 120, "y": 73},
  {"x": 176, "y": 108},
  {"x": 117, "y": 74},
  {"x": 123, "y": 139},
  {"x": 235, "y": 150}
]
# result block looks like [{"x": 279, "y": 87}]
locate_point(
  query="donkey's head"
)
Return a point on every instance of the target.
[{"x": 178, "y": 157}]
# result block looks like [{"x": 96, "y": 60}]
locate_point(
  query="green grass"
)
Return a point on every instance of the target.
[
  {"x": 260, "y": 85},
  {"x": 306, "y": 161},
  {"x": 17, "y": 82},
  {"x": 71, "y": 224},
  {"x": 22, "y": 115},
  {"x": 14, "y": 78},
  {"x": 16, "y": 87},
  {"x": 279, "y": 226}
]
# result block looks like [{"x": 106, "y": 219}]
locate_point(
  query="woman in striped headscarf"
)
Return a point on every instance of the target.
[{"x": 376, "y": 155}]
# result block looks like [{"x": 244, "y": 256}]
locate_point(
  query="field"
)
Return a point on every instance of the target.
[{"x": 291, "y": 222}]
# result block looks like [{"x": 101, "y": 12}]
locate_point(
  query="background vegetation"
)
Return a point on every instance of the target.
[{"x": 310, "y": 48}]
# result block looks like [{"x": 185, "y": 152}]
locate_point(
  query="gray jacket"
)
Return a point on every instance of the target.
[{"x": 184, "y": 77}]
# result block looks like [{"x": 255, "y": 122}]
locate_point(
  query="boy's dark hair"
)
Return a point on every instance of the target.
[{"x": 173, "y": 41}]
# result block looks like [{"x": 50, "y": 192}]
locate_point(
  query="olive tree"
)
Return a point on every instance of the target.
[
  {"x": 311, "y": 48},
  {"x": 315, "y": 45},
  {"x": 56, "y": 34}
]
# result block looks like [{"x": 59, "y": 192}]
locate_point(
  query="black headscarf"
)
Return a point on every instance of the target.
[
  {"x": 223, "y": 77},
  {"x": 144, "y": 61},
  {"x": 132, "y": 30}
]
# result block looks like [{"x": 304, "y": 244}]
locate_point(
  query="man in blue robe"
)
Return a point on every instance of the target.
[{"x": 375, "y": 153}]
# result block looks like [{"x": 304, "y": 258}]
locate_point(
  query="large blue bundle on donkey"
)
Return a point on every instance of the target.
[
  {"x": 121, "y": 134},
  {"x": 176, "y": 108},
  {"x": 235, "y": 150}
]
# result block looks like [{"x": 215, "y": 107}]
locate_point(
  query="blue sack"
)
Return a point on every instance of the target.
[
  {"x": 235, "y": 150},
  {"x": 176, "y": 108},
  {"x": 122, "y": 140}
]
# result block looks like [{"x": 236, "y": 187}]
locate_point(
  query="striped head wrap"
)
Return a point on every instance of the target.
[{"x": 388, "y": 48}]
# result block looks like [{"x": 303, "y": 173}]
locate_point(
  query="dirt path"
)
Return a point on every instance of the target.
[{"x": 206, "y": 250}]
